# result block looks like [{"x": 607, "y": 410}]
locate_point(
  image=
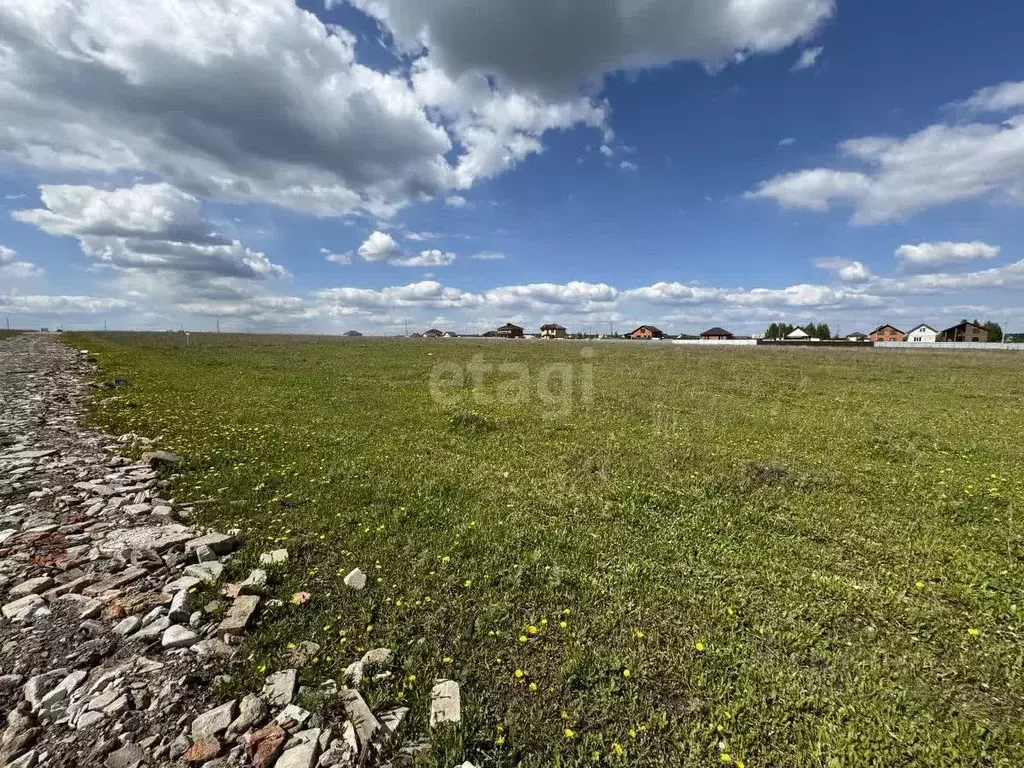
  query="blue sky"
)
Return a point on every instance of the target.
[{"x": 365, "y": 164}]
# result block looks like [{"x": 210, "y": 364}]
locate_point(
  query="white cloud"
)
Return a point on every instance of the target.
[
  {"x": 939, "y": 165},
  {"x": 419, "y": 236},
  {"x": 808, "y": 58},
  {"x": 240, "y": 100},
  {"x": 606, "y": 150},
  {"x": 584, "y": 296},
  {"x": 49, "y": 306},
  {"x": 431, "y": 258},
  {"x": 553, "y": 48},
  {"x": 927, "y": 256},
  {"x": 997, "y": 98},
  {"x": 337, "y": 258},
  {"x": 626, "y": 165},
  {"x": 844, "y": 269},
  {"x": 12, "y": 269},
  {"x": 148, "y": 227},
  {"x": 496, "y": 127},
  {"x": 789, "y": 140},
  {"x": 488, "y": 256},
  {"x": 380, "y": 246},
  {"x": 426, "y": 293},
  {"x": 455, "y": 201}
]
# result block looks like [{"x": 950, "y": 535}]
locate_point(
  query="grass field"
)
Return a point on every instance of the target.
[{"x": 757, "y": 557}]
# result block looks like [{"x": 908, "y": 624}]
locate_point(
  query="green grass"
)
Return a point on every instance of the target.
[{"x": 861, "y": 608}]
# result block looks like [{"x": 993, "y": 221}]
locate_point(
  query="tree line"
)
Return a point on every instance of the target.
[{"x": 782, "y": 330}]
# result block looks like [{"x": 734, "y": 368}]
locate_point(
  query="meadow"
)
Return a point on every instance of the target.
[{"x": 691, "y": 556}]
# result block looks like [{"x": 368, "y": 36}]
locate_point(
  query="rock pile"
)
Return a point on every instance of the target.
[{"x": 104, "y": 657}]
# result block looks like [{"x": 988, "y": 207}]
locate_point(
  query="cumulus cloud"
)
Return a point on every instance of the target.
[
  {"x": 240, "y": 100},
  {"x": 12, "y": 269},
  {"x": 149, "y": 227},
  {"x": 997, "y": 98},
  {"x": 929, "y": 256},
  {"x": 380, "y": 246},
  {"x": 605, "y": 150},
  {"x": 48, "y": 306},
  {"x": 455, "y": 201},
  {"x": 941, "y": 164},
  {"x": 496, "y": 127},
  {"x": 626, "y": 165},
  {"x": 844, "y": 269},
  {"x": 337, "y": 258},
  {"x": 808, "y": 58},
  {"x": 429, "y": 258},
  {"x": 585, "y": 297},
  {"x": 553, "y": 48}
]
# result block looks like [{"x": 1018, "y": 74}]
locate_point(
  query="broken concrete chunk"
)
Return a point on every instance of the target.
[{"x": 445, "y": 703}]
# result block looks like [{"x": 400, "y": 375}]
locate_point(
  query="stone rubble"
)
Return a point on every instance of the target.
[{"x": 104, "y": 660}]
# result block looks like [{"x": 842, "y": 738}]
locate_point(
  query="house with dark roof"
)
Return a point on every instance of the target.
[
  {"x": 507, "y": 331},
  {"x": 964, "y": 331},
  {"x": 552, "y": 331},
  {"x": 646, "y": 332},
  {"x": 716, "y": 334},
  {"x": 887, "y": 333},
  {"x": 433, "y": 333},
  {"x": 857, "y": 336}
]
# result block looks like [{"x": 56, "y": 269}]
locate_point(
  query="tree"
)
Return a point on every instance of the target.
[
  {"x": 824, "y": 332},
  {"x": 995, "y": 331},
  {"x": 772, "y": 332}
]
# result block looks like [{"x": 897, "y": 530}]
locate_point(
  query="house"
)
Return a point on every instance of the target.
[
  {"x": 449, "y": 335},
  {"x": 858, "y": 336},
  {"x": 715, "y": 334},
  {"x": 965, "y": 331},
  {"x": 552, "y": 331},
  {"x": 433, "y": 333},
  {"x": 353, "y": 333},
  {"x": 887, "y": 333},
  {"x": 645, "y": 332},
  {"x": 921, "y": 333},
  {"x": 507, "y": 331},
  {"x": 798, "y": 334}
]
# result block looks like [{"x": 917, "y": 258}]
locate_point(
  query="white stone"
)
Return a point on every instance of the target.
[
  {"x": 445, "y": 703},
  {"x": 356, "y": 579},
  {"x": 176, "y": 636},
  {"x": 23, "y": 608}
]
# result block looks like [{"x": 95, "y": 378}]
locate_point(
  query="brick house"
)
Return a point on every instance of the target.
[
  {"x": 887, "y": 333},
  {"x": 965, "y": 331},
  {"x": 716, "y": 334},
  {"x": 646, "y": 332}
]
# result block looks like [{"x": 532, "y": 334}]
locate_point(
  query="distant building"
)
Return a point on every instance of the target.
[
  {"x": 646, "y": 332},
  {"x": 507, "y": 331},
  {"x": 433, "y": 333},
  {"x": 353, "y": 333},
  {"x": 449, "y": 335},
  {"x": 887, "y": 333},
  {"x": 552, "y": 331},
  {"x": 921, "y": 334},
  {"x": 716, "y": 334},
  {"x": 798, "y": 334},
  {"x": 857, "y": 336},
  {"x": 964, "y": 332}
]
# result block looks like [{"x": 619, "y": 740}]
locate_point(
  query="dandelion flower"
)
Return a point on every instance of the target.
[
  {"x": 725, "y": 757},
  {"x": 531, "y": 630},
  {"x": 618, "y": 749},
  {"x": 533, "y": 686},
  {"x": 625, "y": 673},
  {"x": 699, "y": 647},
  {"x": 563, "y": 624},
  {"x": 448, "y": 659},
  {"x": 569, "y": 733},
  {"x": 973, "y": 632},
  {"x": 920, "y": 585},
  {"x": 522, "y": 638},
  {"x": 519, "y": 674}
]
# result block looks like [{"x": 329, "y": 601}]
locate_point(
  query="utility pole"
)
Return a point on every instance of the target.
[{"x": 218, "y": 325}]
